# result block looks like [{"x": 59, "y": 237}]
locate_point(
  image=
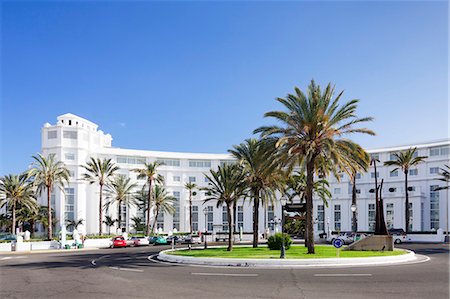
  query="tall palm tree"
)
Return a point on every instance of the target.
[
  {"x": 164, "y": 202},
  {"x": 226, "y": 186},
  {"x": 404, "y": 161},
  {"x": 100, "y": 172},
  {"x": 109, "y": 221},
  {"x": 312, "y": 130},
  {"x": 49, "y": 174},
  {"x": 17, "y": 191},
  {"x": 150, "y": 173},
  {"x": 262, "y": 174},
  {"x": 190, "y": 187},
  {"x": 120, "y": 192}
]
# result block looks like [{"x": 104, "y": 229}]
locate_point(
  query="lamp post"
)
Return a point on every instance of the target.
[
  {"x": 205, "y": 212},
  {"x": 354, "y": 220},
  {"x": 283, "y": 250}
]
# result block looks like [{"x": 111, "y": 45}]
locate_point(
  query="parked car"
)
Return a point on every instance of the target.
[
  {"x": 161, "y": 241},
  {"x": 398, "y": 235},
  {"x": 152, "y": 239},
  {"x": 140, "y": 241},
  {"x": 118, "y": 241},
  {"x": 177, "y": 239},
  {"x": 346, "y": 237}
]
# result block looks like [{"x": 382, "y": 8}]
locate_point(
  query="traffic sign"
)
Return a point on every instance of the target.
[{"x": 338, "y": 243}]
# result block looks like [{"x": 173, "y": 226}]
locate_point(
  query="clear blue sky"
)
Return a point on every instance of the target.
[{"x": 198, "y": 76}]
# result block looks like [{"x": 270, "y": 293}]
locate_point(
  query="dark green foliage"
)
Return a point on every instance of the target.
[{"x": 274, "y": 241}]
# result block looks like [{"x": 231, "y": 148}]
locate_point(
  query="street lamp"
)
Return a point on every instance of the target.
[
  {"x": 354, "y": 220},
  {"x": 205, "y": 212},
  {"x": 283, "y": 203}
]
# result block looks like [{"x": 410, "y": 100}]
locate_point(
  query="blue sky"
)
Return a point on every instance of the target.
[{"x": 198, "y": 76}]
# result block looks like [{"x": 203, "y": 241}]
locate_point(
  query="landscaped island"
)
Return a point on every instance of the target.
[{"x": 295, "y": 252}]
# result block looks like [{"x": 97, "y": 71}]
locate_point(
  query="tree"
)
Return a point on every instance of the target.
[
  {"x": 262, "y": 174},
  {"x": 49, "y": 174},
  {"x": 44, "y": 216},
  {"x": 404, "y": 161},
  {"x": 120, "y": 192},
  {"x": 27, "y": 215},
  {"x": 190, "y": 187},
  {"x": 163, "y": 203},
  {"x": 312, "y": 130},
  {"x": 226, "y": 186},
  {"x": 17, "y": 191},
  {"x": 5, "y": 221},
  {"x": 150, "y": 173},
  {"x": 74, "y": 223},
  {"x": 138, "y": 225},
  {"x": 100, "y": 172},
  {"x": 444, "y": 177},
  {"x": 109, "y": 221}
]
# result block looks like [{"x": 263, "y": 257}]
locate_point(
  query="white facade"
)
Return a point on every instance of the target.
[{"x": 74, "y": 140}]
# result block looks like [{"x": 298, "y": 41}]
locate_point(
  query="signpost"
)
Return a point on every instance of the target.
[{"x": 337, "y": 243}]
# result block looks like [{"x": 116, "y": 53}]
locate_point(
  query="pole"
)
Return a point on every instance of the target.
[
  {"x": 206, "y": 230},
  {"x": 283, "y": 253}
]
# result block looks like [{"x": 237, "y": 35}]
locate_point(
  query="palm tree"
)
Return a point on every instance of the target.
[
  {"x": 138, "y": 225},
  {"x": 43, "y": 217},
  {"x": 17, "y": 191},
  {"x": 109, "y": 221},
  {"x": 28, "y": 214},
  {"x": 5, "y": 221},
  {"x": 404, "y": 161},
  {"x": 262, "y": 174},
  {"x": 226, "y": 186},
  {"x": 312, "y": 130},
  {"x": 74, "y": 223},
  {"x": 120, "y": 192},
  {"x": 49, "y": 174},
  {"x": 150, "y": 173},
  {"x": 100, "y": 172},
  {"x": 445, "y": 177},
  {"x": 163, "y": 203},
  {"x": 190, "y": 187}
]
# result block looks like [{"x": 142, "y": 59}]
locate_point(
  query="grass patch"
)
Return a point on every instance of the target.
[{"x": 295, "y": 252}]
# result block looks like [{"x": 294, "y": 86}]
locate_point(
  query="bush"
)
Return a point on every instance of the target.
[{"x": 274, "y": 241}]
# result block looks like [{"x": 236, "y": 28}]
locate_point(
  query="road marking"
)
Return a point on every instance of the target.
[
  {"x": 225, "y": 274},
  {"x": 6, "y": 258},
  {"x": 126, "y": 269},
  {"x": 343, "y": 275},
  {"x": 94, "y": 262}
]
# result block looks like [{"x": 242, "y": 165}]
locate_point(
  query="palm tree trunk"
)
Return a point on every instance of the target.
[
  {"x": 100, "y": 210},
  {"x": 255, "y": 217},
  {"x": 14, "y": 218},
  {"x": 354, "y": 222},
  {"x": 230, "y": 227},
  {"x": 309, "y": 205},
  {"x": 156, "y": 220},
  {"x": 119, "y": 216},
  {"x": 190, "y": 211},
  {"x": 49, "y": 228},
  {"x": 149, "y": 202},
  {"x": 406, "y": 202}
]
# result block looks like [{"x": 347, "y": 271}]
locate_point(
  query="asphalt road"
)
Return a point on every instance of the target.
[{"x": 128, "y": 273}]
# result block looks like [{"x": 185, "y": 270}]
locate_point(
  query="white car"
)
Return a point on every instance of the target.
[
  {"x": 140, "y": 241},
  {"x": 346, "y": 237}
]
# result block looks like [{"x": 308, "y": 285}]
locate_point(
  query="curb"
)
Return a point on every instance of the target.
[
  {"x": 288, "y": 263},
  {"x": 47, "y": 251}
]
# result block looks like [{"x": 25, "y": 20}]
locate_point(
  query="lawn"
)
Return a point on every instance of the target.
[{"x": 295, "y": 252}]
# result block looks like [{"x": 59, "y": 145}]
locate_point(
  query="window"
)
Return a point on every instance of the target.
[
  {"x": 372, "y": 175},
  {"x": 69, "y": 205},
  {"x": 176, "y": 205},
  {"x": 121, "y": 159},
  {"x": 413, "y": 171},
  {"x": 206, "y": 180},
  {"x": 52, "y": 134},
  {"x": 210, "y": 218},
  {"x": 123, "y": 215},
  {"x": 140, "y": 160},
  {"x": 375, "y": 156},
  {"x": 224, "y": 219},
  {"x": 223, "y": 162},
  {"x": 71, "y": 173},
  {"x": 176, "y": 178},
  {"x": 358, "y": 176},
  {"x": 160, "y": 222},
  {"x": 130, "y": 160},
  {"x": 422, "y": 215},
  {"x": 199, "y": 163},
  {"x": 169, "y": 162},
  {"x": 371, "y": 216},
  {"x": 337, "y": 190},
  {"x": 439, "y": 151},
  {"x": 390, "y": 215},
  {"x": 412, "y": 188},
  {"x": 320, "y": 218},
  {"x": 240, "y": 217},
  {"x": 434, "y": 170},
  {"x": 392, "y": 156},
  {"x": 337, "y": 217},
  {"x": 410, "y": 208},
  {"x": 434, "y": 207},
  {"x": 69, "y": 156},
  {"x": 358, "y": 191},
  {"x": 192, "y": 179},
  {"x": 270, "y": 217},
  {"x": 194, "y": 218},
  {"x": 70, "y": 134},
  {"x": 393, "y": 173}
]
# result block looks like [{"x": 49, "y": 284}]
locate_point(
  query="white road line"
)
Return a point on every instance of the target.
[
  {"x": 343, "y": 275},
  {"x": 126, "y": 269},
  {"x": 225, "y": 274},
  {"x": 6, "y": 258}
]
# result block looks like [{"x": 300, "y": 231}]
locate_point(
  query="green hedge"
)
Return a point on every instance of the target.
[{"x": 274, "y": 241}]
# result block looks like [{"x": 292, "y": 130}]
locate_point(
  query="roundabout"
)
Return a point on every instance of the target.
[{"x": 326, "y": 256}]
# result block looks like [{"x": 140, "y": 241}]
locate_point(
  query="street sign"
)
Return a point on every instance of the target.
[{"x": 338, "y": 243}]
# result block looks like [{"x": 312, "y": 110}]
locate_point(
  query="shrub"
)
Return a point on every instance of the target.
[{"x": 274, "y": 241}]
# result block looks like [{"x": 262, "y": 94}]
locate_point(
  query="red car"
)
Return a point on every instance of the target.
[{"x": 119, "y": 242}]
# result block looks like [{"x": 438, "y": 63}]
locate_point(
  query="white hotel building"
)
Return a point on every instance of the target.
[{"x": 74, "y": 140}]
